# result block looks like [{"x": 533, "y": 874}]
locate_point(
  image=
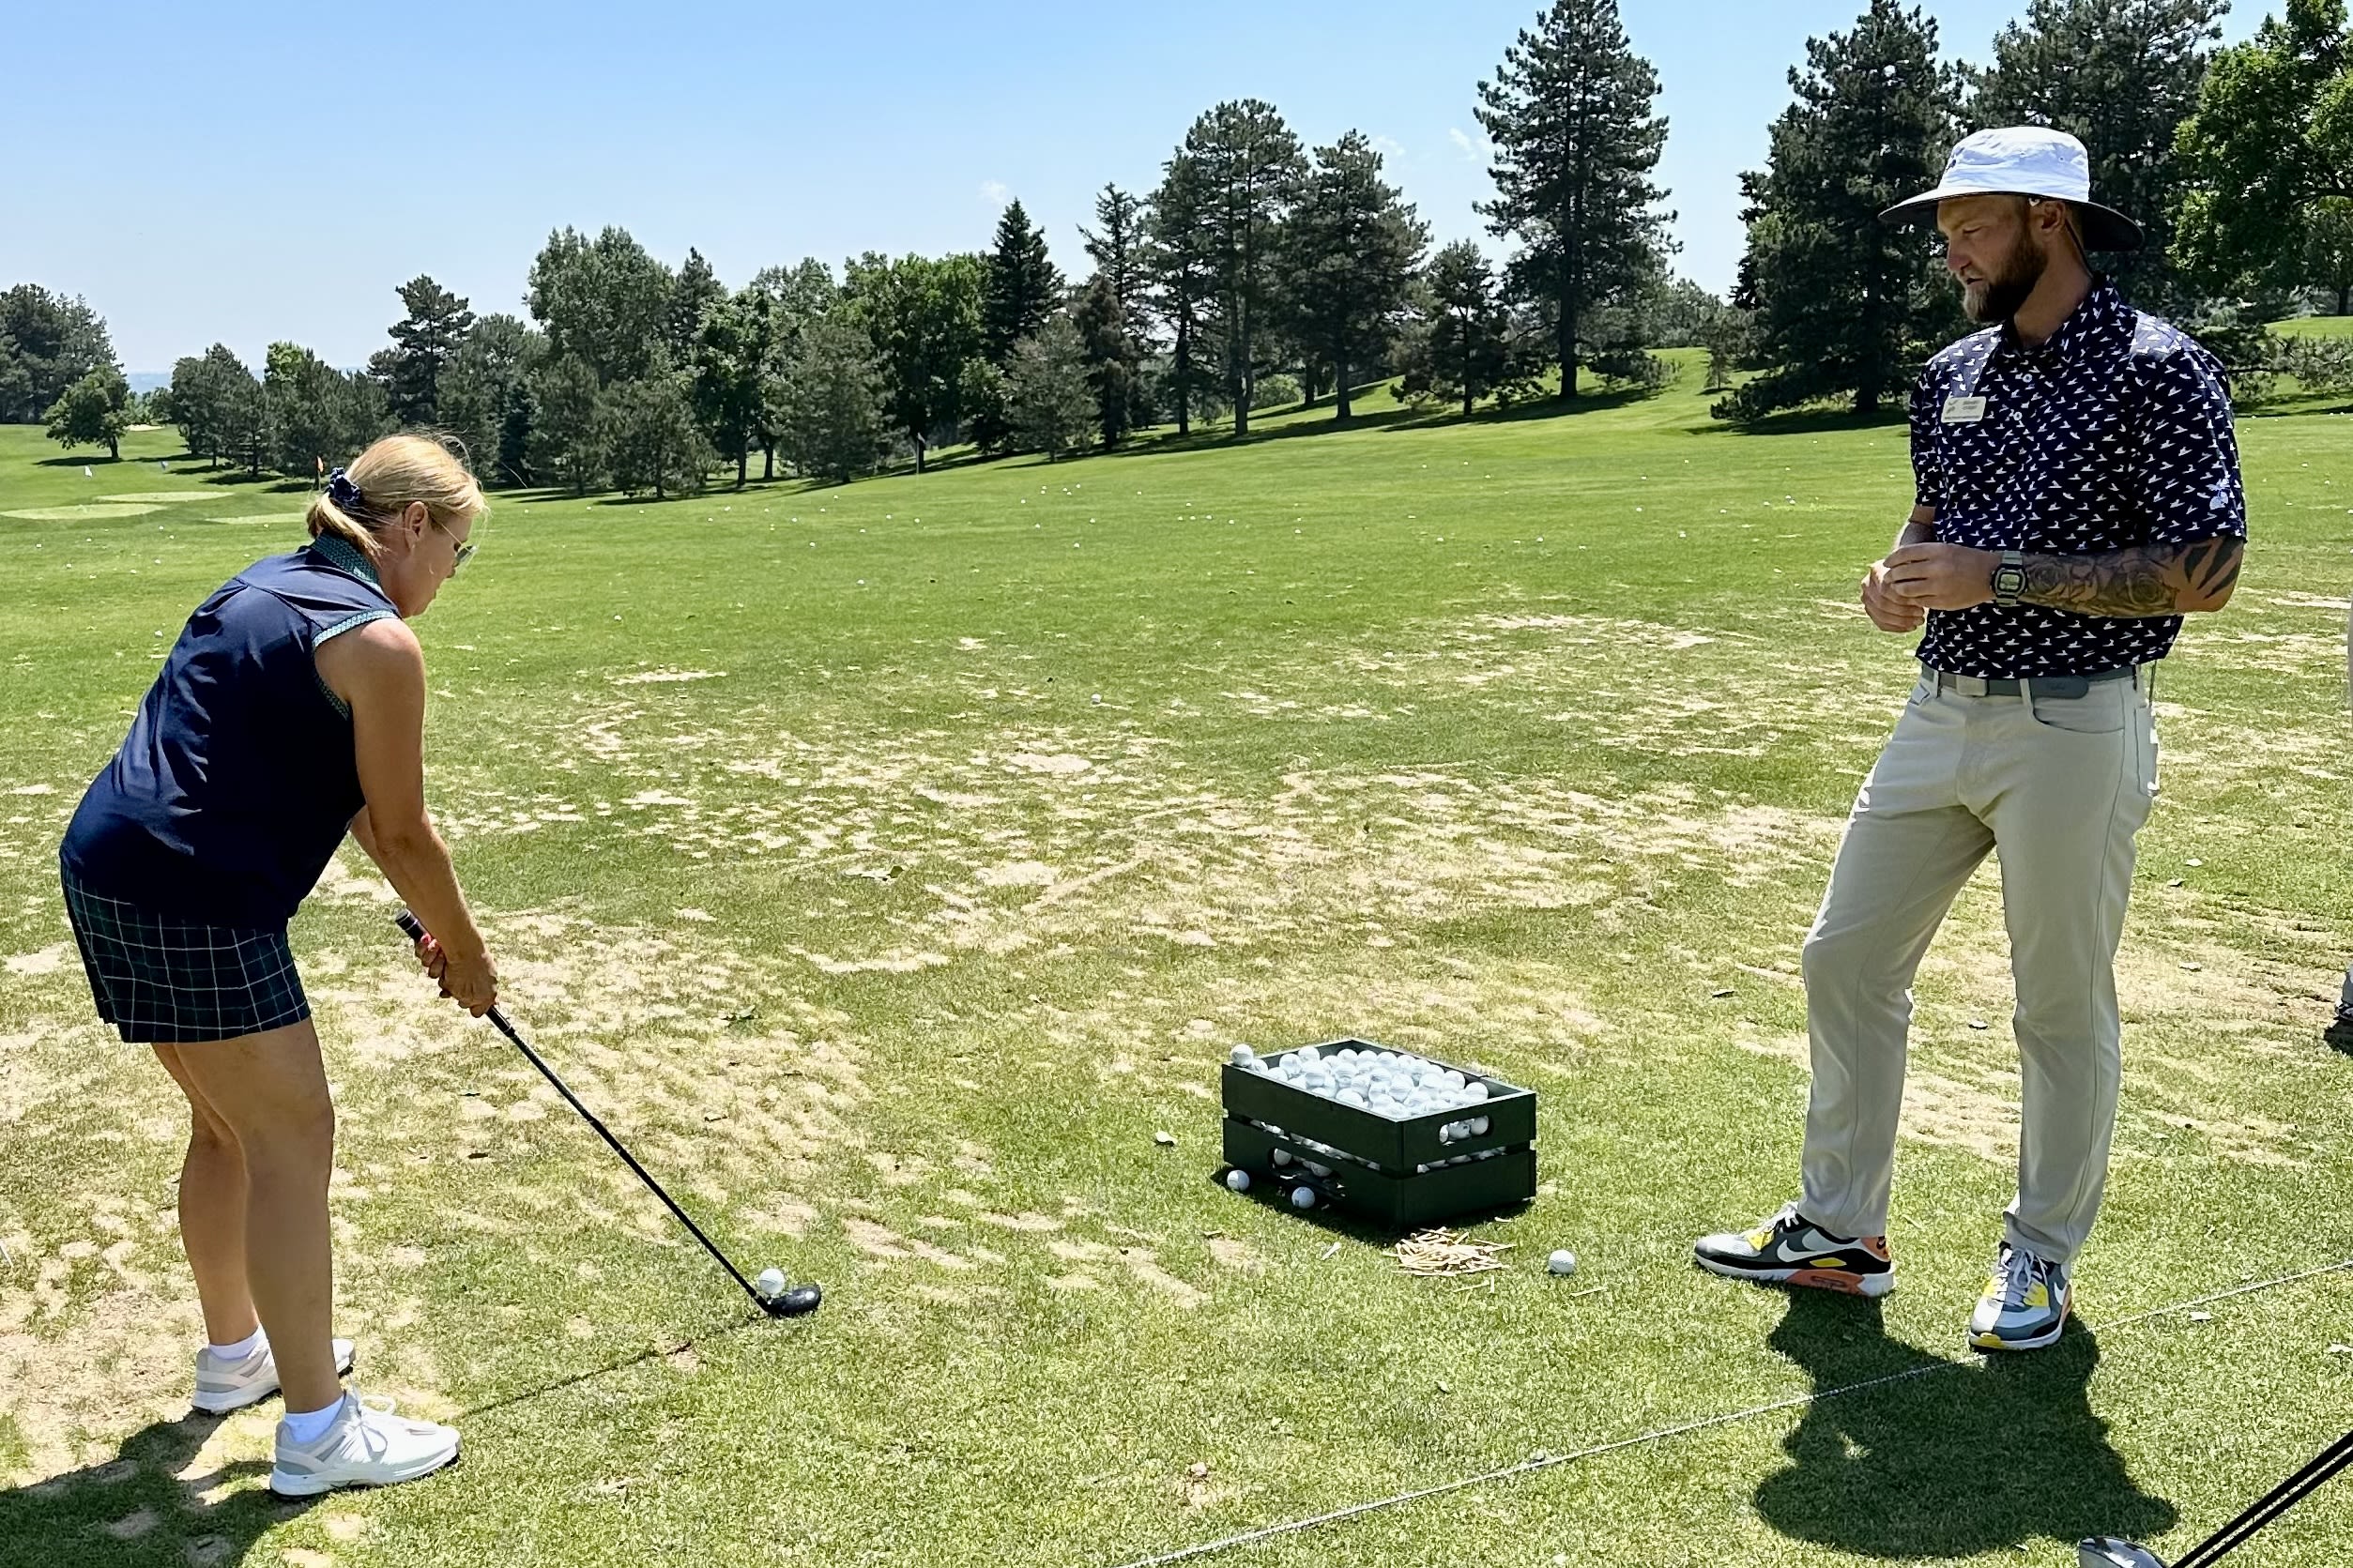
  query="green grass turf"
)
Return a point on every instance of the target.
[
  {"x": 2317, "y": 327},
  {"x": 811, "y": 859}
]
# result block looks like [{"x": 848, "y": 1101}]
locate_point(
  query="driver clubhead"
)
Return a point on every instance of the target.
[{"x": 2106, "y": 1551}]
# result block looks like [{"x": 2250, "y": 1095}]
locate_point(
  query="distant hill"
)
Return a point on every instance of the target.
[{"x": 147, "y": 381}]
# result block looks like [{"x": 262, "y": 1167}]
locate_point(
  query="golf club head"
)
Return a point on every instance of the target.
[{"x": 2106, "y": 1551}]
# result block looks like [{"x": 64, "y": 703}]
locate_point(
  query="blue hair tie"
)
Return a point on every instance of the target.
[{"x": 341, "y": 491}]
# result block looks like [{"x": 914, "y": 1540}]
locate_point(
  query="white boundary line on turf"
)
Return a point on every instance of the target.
[{"x": 1548, "y": 1461}]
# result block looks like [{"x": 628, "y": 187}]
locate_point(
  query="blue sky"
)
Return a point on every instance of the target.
[{"x": 252, "y": 172}]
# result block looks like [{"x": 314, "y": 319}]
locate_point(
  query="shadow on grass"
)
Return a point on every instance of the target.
[
  {"x": 1809, "y": 421},
  {"x": 72, "y": 461},
  {"x": 137, "y": 1508},
  {"x": 651, "y": 1352},
  {"x": 1985, "y": 1455}
]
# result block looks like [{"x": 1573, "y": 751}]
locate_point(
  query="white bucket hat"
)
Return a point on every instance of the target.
[{"x": 2026, "y": 160}]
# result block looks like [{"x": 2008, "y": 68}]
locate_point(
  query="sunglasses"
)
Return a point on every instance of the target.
[{"x": 465, "y": 551}]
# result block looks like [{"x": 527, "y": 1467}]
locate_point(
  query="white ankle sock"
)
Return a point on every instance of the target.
[
  {"x": 243, "y": 1348},
  {"x": 309, "y": 1427}
]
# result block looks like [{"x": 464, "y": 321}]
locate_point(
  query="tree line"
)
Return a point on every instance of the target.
[{"x": 1260, "y": 272}]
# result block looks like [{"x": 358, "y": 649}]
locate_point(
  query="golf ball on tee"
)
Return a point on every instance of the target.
[
  {"x": 1238, "y": 1179},
  {"x": 1562, "y": 1262},
  {"x": 771, "y": 1283}
]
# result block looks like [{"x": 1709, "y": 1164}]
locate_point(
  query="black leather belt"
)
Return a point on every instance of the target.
[{"x": 2041, "y": 685}]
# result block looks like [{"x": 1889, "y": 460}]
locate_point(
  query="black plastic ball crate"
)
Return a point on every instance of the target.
[{"x": 1376, "y": 1170}]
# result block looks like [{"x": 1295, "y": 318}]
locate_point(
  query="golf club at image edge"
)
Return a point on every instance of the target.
[
  {"x": 2105, "y": 1551},
  {"x": 795, "y": 1301}
]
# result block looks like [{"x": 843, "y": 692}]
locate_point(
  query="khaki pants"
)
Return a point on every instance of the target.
[{"x": 2056, "y": 787}]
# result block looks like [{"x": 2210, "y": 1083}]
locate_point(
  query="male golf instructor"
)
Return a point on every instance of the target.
[{"x": 2078, "y": 493}]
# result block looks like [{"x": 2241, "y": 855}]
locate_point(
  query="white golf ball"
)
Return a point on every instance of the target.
[
  {"x": 1241, "y": 1055},
  {"x": 1562, "y": 1262},
  {"x": 1315, "y": 1168},
  {"x": 1349, "y": 1097},
  {"x": 1453, "y": 1079},
  {"x": 1238, "y": 1179},
  {"x": 1281, "y": 1156},
  {"x": 1476, "y": 1090},
  {"x": 1478, "y": 1126},
  {"x": 1302, "y": 1197},
  {"x": 771, "y": 1283},
  {"x": 1305, "y": 1055}
]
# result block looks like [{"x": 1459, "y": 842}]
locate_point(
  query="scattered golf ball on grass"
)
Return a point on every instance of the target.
[
  {"x": 1562, "y": 1262},
  {"x": 1239, "y": 1180},
  {"x": 1302, "y": 1197}
]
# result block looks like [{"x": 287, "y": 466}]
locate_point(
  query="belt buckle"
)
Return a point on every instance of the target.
[{"x": 1961, "y": 685}]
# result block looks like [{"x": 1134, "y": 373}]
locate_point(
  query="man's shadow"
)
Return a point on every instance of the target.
[
  {"x": 134, "y": 1510},
  {"x": 1952, "y": 1463}
]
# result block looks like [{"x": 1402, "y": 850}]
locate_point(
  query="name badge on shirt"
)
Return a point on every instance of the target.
[{"x": 1963, "y": 411}]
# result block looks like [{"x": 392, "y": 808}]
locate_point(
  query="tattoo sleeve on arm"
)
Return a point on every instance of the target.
[{"x": 2137, "y": 583}]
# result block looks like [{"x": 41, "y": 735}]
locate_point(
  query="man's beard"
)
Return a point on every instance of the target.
[{"x": 1997, "y": 299}]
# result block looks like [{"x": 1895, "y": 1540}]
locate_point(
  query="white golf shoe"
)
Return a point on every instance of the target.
[
  {"x": 367, "y": 1445},
  {"x": 222, "y": 1385}
]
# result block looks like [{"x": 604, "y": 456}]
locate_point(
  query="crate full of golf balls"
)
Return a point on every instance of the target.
[{"x": 1401, "y": 1138}]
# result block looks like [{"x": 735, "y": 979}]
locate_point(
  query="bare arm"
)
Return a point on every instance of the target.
[
  {"x": 2193, "y": 579},
  {"x": 2165, "y": 580},
  {"x": 1887, "y": 610},
  {"x": 380, "y": 672}
]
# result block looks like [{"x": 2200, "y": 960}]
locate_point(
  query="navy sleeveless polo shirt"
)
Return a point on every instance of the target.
[{"x": 238, "y": 779}]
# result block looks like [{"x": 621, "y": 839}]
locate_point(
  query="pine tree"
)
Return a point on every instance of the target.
[
  {"x": 424, "y": 343},
  {"x": 484, "y": 401},
  {"x": 1350, "y": 252},
  {"x": 649, "y": 434},
  {"x": 1114, "y": 358},
  {"x": 565, "y": 439},
  {"x": 1179, "y": 259},
  {"x": 2120, "y": 76},
  {"x": 55, "y": 342},
  {"x": 1048, "y": 396},
  {"x": 1021, "y": 287},
  {"x": 830, "y": 403},
  {"x": 694, "y": 296},
  {"x": 1463, "y": 343},
  {"x": 1845, "y": 305},
  {"x": 1248, "y": 165},
  {"x": 211, "y": 395},
  {"x": 1117, "y": 245},
  {"x": 1569, "y": 113}
]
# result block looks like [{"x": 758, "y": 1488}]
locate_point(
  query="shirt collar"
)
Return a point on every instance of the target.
[
  {"x": 2097, "y": 317},
  {"x": 344, "y": 556}
]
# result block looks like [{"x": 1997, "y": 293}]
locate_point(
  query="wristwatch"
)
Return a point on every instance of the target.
[{"x": 2009, "y": 579}]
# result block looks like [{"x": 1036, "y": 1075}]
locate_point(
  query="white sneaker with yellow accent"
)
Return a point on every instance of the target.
[{"x": 2026, "y": 1303}]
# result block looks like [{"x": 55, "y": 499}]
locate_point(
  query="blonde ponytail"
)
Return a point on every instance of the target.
[{"x": 384, "y": 479}]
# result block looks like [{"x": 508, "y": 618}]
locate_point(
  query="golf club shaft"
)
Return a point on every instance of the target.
[
  {"x": 2278, "y": 1500},
  {"x": 416, "y": 932}
]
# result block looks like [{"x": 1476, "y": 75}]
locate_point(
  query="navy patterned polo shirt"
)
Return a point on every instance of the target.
[{"x": 2113, "y": 433}]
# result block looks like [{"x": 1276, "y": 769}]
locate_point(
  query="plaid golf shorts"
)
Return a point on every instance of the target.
[{"x": 160, "y": 979}]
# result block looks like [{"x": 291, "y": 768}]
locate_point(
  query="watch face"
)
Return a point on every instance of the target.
[{"x": 2008, "y": 581}]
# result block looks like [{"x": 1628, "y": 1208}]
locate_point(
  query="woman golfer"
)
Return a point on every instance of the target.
[{"x": 291, "y": 711}]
